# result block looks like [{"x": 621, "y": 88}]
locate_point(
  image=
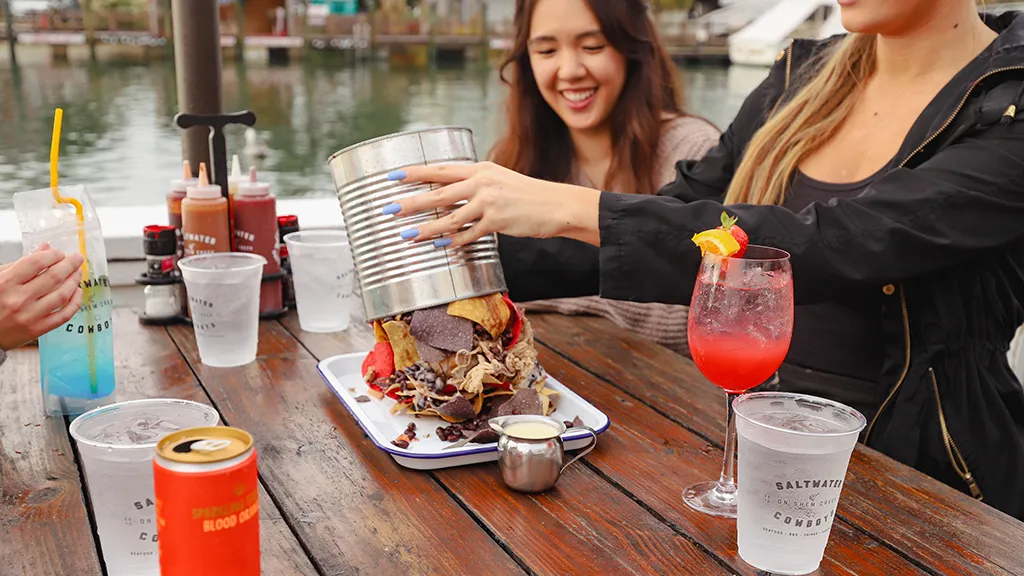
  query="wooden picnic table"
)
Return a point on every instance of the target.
[{"x": 332, "y": 503}]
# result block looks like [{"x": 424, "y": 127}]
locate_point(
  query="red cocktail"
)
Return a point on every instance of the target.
[{"x": 740, "y": 327}]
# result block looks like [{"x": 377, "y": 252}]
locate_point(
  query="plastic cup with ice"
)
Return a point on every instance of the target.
[
  {"x": 323, "y": 275},
  {"x": 224, "y": 302},
  {"x": 116, "y": 444},
  {"x": 793, "y": 454}
]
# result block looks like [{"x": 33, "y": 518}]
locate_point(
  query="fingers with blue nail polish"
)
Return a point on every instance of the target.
[
  {"x": 391, "y": 209},
  {"x": 442, "y": 242},
  {"x": 396, "y": 175},
  {"x": 410, "y": 233}
]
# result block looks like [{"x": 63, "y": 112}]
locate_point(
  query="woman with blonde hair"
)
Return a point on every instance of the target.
[{"x": 890, "y": 165}]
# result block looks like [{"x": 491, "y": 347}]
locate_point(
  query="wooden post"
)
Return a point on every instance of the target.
[
  {"x": 88, "y": 19},
  {"x": 240, "y": 33},
  {"x": 197, "y": 64},
  {"x": 168, "y": 32},
  {"x": 9, "y": 20}
]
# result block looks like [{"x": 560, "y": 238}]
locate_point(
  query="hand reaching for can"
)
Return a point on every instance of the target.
[{"x": 38, "y": 293}]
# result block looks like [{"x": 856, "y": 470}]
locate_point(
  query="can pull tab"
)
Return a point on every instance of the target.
[{"x": 210, "y": 445}]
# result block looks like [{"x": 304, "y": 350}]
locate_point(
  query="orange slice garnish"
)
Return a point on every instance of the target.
[{"x": 717, "y": 242}]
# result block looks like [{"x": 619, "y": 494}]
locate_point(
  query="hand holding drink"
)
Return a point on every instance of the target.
[{"x": 38, "y": 293}]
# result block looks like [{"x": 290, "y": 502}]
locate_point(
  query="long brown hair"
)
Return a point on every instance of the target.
[
  {"x": 803, "y": 124},
  {"x": 537, "y": 141}
]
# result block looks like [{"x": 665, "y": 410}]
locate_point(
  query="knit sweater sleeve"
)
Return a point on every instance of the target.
[{"x": 684, "y": 138}]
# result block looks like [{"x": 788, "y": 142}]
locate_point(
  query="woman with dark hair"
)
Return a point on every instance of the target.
[
  {"x": 594, "y": 102},
  {"x": 890, "y": 164}
]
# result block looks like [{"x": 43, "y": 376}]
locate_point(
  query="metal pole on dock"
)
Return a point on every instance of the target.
[
  {"x": 197, "y": 68},
  {"x": 9, "y": 20}
]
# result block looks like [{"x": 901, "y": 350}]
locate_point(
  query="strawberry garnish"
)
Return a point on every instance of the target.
[{"x": 729, "y": 225}]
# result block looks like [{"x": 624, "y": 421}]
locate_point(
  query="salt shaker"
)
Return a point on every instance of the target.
[{"x": 162, "y": 301}]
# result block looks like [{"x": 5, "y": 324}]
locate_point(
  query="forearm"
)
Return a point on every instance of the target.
[{"x": 579, "y": 219}]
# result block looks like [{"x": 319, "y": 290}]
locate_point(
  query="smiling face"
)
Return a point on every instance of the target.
[{"x": 579, "y": 74}]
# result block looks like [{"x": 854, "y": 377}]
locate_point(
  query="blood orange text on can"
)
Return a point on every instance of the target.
[{"x": 207, "y": 503}]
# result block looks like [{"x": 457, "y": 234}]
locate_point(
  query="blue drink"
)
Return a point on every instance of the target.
[{"x": 76, "y": 360}]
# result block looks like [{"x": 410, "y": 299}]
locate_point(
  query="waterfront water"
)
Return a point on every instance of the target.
[{"x": 119, "y": 140}]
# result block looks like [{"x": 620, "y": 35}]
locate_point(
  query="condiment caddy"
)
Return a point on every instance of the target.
[{"x": 211, "y": 213}]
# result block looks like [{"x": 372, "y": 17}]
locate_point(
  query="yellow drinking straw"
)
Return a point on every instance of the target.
[{"x": 58, "y": 116}]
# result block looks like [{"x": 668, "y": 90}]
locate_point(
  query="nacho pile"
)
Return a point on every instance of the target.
[{"x": 463, "y": 362}]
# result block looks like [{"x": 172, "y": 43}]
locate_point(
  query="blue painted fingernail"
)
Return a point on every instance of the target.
[
  {"x": 396, "y": 175},
  {"x": 391, "y": 209},
  {"x": 442, "y": 242},
  {"x": 410, "y": 233}
]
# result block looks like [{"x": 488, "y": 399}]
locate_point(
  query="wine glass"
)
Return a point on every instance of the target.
[{"x": 740, "y": 327}]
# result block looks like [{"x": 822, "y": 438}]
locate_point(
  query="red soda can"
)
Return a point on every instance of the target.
[{"x": 207, "y": 503}]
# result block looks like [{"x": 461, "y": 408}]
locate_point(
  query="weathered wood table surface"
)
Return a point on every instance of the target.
[{"x": 332, "y": 503}]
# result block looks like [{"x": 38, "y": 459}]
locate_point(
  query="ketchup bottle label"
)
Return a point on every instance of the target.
[{"x": 256, "y": 244}]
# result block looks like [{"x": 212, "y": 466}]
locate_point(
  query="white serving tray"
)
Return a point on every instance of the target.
[{"x": 342, "y": 374}]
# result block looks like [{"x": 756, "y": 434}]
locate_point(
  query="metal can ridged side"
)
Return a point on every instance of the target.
[{"x": 396, "y": 275}]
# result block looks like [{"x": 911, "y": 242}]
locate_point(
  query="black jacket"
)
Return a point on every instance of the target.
[{"x": 940, "y": 234}]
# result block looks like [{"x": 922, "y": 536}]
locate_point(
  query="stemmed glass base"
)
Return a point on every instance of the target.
[
  {"x": 711, "y": 498},
  {"x": 719, "y": 498}
]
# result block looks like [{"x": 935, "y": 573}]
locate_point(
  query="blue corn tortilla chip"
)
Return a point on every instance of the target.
[
  {"x": 429, "y": 353},
  {"x": 436, "y": 328},
  {"x": 458, "y": 409},
  {"x": 524, "y": 401}
]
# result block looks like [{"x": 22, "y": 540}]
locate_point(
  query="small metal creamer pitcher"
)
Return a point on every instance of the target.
[{"x": 530, "y": 458}]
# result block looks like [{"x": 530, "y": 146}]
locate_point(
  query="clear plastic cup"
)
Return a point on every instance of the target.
[
  {"x": 793, "y": 454},
  {"x": 116, "y": 444},
  {"x": 323, "y": 274},
  {"x": 224, "y": 300}
]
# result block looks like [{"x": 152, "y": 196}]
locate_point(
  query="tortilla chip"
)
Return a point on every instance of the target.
[
  {"x": 478, "y": 403},
  {"x": 378, "y": 332},
  {"x": 402, "y": 344},
  {"x": 429, "y": 353},
  {"x": 484, "y": 436},
  {"x": 491, "y": 312},
  {"x": 434, "y": 326},
  {"x": 458, "y": 409},
  {"x": 525, "y": 401}
]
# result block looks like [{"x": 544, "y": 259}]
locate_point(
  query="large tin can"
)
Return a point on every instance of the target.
[
  {"x": 397, "y": 276},
  {"x": 207, "y": 503}
]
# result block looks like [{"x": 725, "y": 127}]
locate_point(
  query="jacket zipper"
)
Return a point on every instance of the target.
[
  {"x": 906, "y": 364},
  {"x": 903, "y": 296},
  {"x": 955, "y": 457}
]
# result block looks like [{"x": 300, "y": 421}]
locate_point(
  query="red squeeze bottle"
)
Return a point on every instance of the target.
[
  {"x": 255, "y": 211},
  {"x": 204, "y": 218}
]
